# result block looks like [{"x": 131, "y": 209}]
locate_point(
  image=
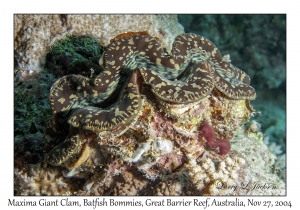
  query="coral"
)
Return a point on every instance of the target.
[
  {"x": 167, "y": 188},
  {"x": 225, "y": 178},
  {"x": 211, "y": 174},
  {"x": 128, "y": 184},
  {"x": 123, "y": 184},
  {"x": 261, "y": 161},
  {"x": 39, "y": 181}
]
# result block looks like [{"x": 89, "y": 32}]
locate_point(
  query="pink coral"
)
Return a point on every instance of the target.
[
  {"x": 170, "y": 162},
  {"x": 209, "y": 134},
  {"x": 163, "y": 127}
]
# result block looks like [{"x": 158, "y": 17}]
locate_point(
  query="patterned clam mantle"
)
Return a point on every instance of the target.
[{"x": 186, "y": 76}]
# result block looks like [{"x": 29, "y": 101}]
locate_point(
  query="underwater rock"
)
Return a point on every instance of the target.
[{"x": 35, "y": 34}]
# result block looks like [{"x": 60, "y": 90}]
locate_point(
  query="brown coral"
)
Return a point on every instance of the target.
[{"x": 40, "y": 181}]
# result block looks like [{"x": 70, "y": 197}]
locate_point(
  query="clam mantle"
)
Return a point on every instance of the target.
[{"x": 155, "y": 124}]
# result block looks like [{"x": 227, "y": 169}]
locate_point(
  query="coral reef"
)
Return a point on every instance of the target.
[
  {"x": 35, "y": 34},
  {"x": 210, "y": 174},
  {"x": 261, "y": 160},
  {"x": 38, "y": 181},
  {"x": 152, "y": 122}
]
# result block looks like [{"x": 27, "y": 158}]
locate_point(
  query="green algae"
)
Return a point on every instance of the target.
[
  {"x": 74, "y": 55},
  {"x": 31, "y": 115}
]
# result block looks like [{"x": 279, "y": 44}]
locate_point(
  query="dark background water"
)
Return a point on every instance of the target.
[{"x": 257, "y": 45}]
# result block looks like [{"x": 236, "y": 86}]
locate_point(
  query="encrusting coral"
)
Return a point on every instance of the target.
[{"x": 167, "y": 131}]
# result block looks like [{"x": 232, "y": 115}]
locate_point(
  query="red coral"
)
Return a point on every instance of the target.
[{"x": 209, "y": 134}]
